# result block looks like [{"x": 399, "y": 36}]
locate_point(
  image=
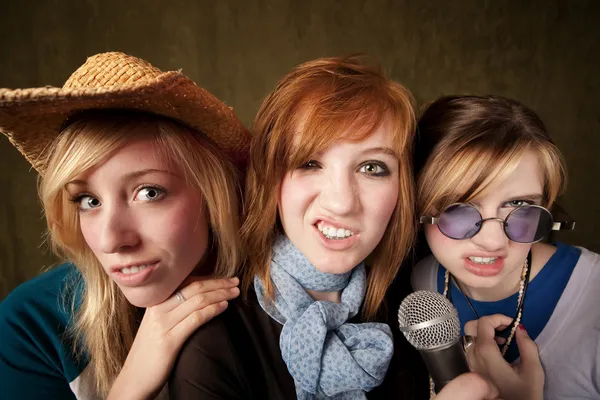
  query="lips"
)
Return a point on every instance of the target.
[
  {"x": 132, "y": 266},
  {"x": 132, "y": 275},
  {"x": 484, "y": 269}
]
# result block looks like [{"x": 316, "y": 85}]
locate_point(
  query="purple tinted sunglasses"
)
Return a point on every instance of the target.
[{"x": 525, "y": 224}]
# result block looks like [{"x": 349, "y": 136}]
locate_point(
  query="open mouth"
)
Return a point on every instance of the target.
[
  {"x": 332, "y": 232},
  {"x": 134, "y": 269},
  {"x": 483, "y": 260}
]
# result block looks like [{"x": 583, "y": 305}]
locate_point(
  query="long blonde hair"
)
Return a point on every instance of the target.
[
  {"x": 324, "y": 99},
  {"x": 465, "y": 143},
  {"x": 106, "y": 323}
]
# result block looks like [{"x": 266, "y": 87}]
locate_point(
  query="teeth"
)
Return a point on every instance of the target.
[
  {"x": 334, "y": 233},
  {"x": 483, "y": 260},
  {"x": 134, "y": 269}
]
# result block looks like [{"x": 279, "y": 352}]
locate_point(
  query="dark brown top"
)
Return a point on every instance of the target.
[{"x": 237, "y": 356}]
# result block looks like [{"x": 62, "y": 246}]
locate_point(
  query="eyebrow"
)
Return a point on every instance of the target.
[
  {"x": 381, "y": 150},
  {"x": 127, "y": 177},
  {"x": 530, "y": 197}
]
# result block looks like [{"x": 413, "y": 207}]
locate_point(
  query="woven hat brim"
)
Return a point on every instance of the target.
[{"x": 32, "y": 118}]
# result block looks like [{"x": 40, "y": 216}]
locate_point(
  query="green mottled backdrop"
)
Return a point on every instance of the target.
[{"x": 545, "y": 53}]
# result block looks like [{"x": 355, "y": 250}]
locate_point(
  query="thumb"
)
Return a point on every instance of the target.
[{"x": 530, "y": 357}]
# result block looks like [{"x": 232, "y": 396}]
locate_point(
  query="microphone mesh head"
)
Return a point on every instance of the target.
[{"x": 440, "y": 324}]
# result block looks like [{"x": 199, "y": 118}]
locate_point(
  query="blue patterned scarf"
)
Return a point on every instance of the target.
[{"x": 326, "y": 356}]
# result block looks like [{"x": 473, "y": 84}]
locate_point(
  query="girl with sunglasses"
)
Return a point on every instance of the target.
[{"x": 487, "y": 175}]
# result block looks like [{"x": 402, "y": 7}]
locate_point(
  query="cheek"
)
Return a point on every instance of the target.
[
  {"x": 380, "y": 201},
  {"x": 294, "y": 197},
  {"x": 384, "y": 205},
  {"x": 441, "y": 246},
  {"x": 183, "y": 232},
  {"x": 90, "y": 232},
  {"x": 518, "y": 252},
  {"x": 182, "y": 227}
]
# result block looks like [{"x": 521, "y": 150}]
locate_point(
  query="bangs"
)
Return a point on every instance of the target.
[
  {"x": 466, "y": 174},
  {"x": 96, "y": 135},
  {"x": 82, "y": 147},
  {"x": 324, "y": 120}
]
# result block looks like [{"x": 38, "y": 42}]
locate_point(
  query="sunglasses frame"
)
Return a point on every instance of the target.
[{"x": 556, "y": 226}]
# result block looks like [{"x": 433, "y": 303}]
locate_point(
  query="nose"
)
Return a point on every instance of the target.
[
  {"x": 117, "y": 232},
  {"x": 339, "y": 194},
  {"x": 491, "y": 236}
]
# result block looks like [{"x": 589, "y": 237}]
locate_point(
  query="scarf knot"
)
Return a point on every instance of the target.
[{"x": 327, "y": 356}]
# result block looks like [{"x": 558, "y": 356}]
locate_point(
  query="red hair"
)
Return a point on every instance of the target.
[{"x": 317, "y": 104}]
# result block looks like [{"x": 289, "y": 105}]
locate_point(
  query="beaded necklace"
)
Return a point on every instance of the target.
[{"x": 523, "y": 285}]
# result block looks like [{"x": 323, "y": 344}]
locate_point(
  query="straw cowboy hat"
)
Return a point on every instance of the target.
[{"x": 32, "y": 118}]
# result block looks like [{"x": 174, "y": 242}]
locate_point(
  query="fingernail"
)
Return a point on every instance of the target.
[
  {"x": 234, "y": 290},
  {"x": 521, "y": 327},
  {"x": 234, "y": 280}
]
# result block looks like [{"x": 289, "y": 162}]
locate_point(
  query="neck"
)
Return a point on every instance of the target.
[{"x": 334, "y": 297}]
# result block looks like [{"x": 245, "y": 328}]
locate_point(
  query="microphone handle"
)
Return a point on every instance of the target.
[{"x": 445, "y": 364}]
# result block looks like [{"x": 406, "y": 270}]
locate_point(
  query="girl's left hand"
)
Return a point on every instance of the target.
[{"x": 524, "y": 381}]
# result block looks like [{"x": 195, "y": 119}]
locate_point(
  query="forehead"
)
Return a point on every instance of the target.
[
  {"x": 527, "y": 178},
  {"x": 136, "y": 155}
]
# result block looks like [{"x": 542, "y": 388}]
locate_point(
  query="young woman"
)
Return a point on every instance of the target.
[
  {"x": 329, "y": 221},
  {"x": 140, "y": 192},
  {"x": 329, "y": 185},
  {"x": 488, "y": 173}
]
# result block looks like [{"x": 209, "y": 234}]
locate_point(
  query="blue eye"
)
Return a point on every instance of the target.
[
  {"x": 374, "y": 169},
  {"x": 85, "y": 202},
  {"x": 149, "y": 193}
]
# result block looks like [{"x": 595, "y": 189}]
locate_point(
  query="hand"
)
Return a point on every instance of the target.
[
  {"x": 164, "y": 329},
  {"x": 524, "y": 381},
  {"x": 469, "y": 386}
]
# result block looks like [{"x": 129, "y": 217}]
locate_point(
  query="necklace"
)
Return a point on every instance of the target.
[{"x": 523, "y": 284}]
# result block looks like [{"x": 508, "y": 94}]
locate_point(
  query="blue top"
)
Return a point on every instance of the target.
[
  {"x": 36, "y": 350},
  {"x": 543, "y": 294}
]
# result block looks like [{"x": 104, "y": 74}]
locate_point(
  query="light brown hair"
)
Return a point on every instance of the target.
[
  {"x": 317, "y": 104},
  {"x": 105, "y": 321},
  {"x": 465, "y": 143}
]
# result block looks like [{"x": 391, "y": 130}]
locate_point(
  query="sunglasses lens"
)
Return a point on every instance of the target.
[
  {"x": 460, "y": 221},
  {"x": 528, "y": 224}
]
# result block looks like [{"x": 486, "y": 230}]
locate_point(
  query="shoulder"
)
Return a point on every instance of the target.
[
  {"x": 586, "y": 271},
  {"x": 589, "y": 258},
  {"x": 214, "y": 362},
  {"x": 34, "y": 340},
  {"x": 235, "y": 356},
  {"x": 424, "y": 274},
  {"x": 586, "y": 274},
  {"x": 51, "y": 293}
]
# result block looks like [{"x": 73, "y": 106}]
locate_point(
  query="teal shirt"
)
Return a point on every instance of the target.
[{"x": 36, "y": 351}]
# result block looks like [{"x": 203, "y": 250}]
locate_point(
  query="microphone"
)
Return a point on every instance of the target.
[{"x": 430, "y": 324}]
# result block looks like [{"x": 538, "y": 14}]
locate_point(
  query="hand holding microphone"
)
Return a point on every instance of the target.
[
  {"x": 430, "y": 323},
  {"x": 523, "y": 381}
]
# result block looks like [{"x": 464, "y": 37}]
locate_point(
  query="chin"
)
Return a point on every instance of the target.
[
  {"x": 481, "y": 282},
  {"x": 141, "y": 303},
  {"x": 337, "y": 268},
  {"x": 144, "y": 301}
]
